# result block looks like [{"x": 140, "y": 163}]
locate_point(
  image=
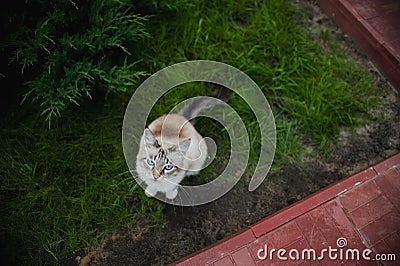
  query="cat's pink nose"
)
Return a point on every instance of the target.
[{"x": 156, "y": 174}]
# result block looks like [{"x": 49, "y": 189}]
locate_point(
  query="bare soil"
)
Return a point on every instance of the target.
[{"x": 189, "y": 229}]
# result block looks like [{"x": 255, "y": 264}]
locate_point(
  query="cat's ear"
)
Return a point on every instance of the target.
[
  {"x": 149, "y": 139},
  {"x": 181, "y": 148},
  {"x": 178, "y": 152},
  {"x": 184, "y": 146}
]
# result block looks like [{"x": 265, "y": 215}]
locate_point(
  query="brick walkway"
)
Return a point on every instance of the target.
[{"x": 358, "y": 213}]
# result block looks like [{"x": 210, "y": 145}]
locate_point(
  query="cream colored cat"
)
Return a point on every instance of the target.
[{"x": 171, "y": 149}]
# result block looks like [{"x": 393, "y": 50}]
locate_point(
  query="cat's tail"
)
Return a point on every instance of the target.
[{"x": 196, "y": 105}]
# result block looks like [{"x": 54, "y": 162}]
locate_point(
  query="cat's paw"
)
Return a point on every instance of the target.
[
  {"x": 171, "y": 194},
  {"x": 149, "y": 193},
  {"x": 189, "y": 173}
]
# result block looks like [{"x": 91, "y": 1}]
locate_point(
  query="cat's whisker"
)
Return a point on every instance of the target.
[
  {"x": 125, "y": 172},
  {"x": 128, "y": 179},
  {"x": 175, "y": 184},
  {"x": 133, "y": 182},
  {"x": 181, "y": 187},
  {"x": 139, "y": 182},
  {"x": 184, "y": 191},
  {"x": 180, "y": 198}
]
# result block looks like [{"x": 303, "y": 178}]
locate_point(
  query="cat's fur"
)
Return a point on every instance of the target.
[
  {"x": 172, "y": 140},
  {"x": 169, "y": 140}
]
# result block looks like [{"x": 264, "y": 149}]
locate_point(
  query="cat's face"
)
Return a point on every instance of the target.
[{"x": 158, "y": 164}]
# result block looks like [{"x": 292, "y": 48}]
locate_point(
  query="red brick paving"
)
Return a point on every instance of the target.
[
  {"x": 375, "y": 26},
  {"x": 363, "y": 210}
]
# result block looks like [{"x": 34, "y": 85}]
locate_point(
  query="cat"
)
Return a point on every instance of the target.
[{"x": 171, "y": 148}]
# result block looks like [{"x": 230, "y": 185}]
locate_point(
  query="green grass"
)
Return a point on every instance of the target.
[
  {"x": 316, "y": 90},
  {"x": 65, "y": 188}
]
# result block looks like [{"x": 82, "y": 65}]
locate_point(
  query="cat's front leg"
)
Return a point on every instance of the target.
[
  {"x": 150, "y": 192},
  {"x": 190, "y": 173},
  {"x": 172, "y": 193}
]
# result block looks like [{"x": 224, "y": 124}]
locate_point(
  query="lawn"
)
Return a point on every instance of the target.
[{"x": 66, "y": 187}]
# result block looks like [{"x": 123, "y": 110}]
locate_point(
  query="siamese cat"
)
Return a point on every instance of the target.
[{"x": 171, "y": 148}]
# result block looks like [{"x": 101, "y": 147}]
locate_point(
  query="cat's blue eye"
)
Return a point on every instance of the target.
[
  {"x": 168, "y": 167},
  {"x": 150, "y": 162}
]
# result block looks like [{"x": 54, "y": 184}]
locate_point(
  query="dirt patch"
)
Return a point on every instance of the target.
[{"x": 189, "y": 229}]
